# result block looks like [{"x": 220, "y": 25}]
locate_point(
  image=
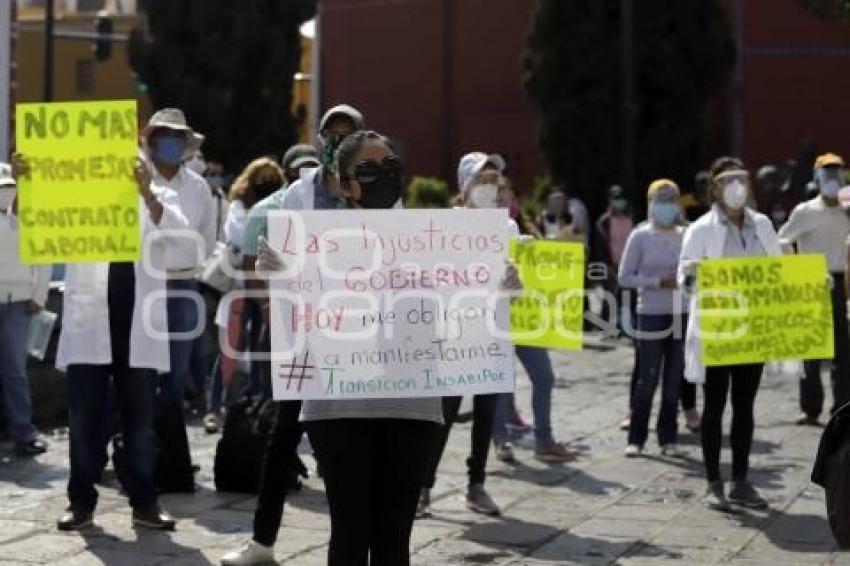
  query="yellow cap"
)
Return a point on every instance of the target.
[
  {"x": 660, "y": 184},
  {"x": 828, "y": 159}
]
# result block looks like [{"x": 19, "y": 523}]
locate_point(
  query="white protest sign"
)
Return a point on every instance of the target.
[{"x": 389, "y": 303}]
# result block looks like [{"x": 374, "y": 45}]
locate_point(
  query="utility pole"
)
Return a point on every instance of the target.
[
  {"x": 49, "y": 17},
  {"x": 627, "y": 15},
  {"x": 5, "y": 76}
]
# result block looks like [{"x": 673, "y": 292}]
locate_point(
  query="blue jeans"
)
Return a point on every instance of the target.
[
  {"x": 667, "y": 351},
  {"x": 88, "y": 391},
  {"x": 183, "y": 316},
  {"x": 539, "y": 368},
  {"x": 14, "y": 329}
]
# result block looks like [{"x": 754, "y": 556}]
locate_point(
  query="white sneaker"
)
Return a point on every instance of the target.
[
  {"x": 633, "y": 451},
  {"x": 249, "y": 554},
  {"x": 505, "y": 453}
]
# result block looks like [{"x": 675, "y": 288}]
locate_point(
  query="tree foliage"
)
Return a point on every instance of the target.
[
  {"x": 229, "y": 66},
  {"x": 427, "y": 192},
  {"x": 828, "y": 9},
  {"x": 683, "y": 52}
]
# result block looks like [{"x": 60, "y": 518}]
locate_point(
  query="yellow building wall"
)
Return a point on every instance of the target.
[
  {"x": 76, "y": 73},
  {"x": 78, "y": 76}
]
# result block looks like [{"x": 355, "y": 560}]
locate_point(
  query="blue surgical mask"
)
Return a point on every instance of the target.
[
  {"x": 170, "y": 150},
  {"x": 665, "y": 213}
]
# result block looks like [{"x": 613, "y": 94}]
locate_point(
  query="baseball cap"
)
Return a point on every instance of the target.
[
  {"x": 661, "y": 185},
  {"x": 346, "y": 111},
  {"x": 6, "y": 177},
  {"x": 473, "y": 163},
  {"x": 300, "y": 155},
  {"x": 828, "y": 159}
]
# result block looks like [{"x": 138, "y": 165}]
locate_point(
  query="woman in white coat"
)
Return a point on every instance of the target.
[
  {"x": 729, "y": 229},
  {"x": 115, "y": 328}
]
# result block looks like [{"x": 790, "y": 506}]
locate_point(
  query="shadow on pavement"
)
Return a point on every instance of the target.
[
  {"x": 111, "y": 550},
  {"x": 544, "y": 542}
]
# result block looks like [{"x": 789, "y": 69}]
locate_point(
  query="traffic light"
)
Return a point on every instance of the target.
[{"x": 102, "y": 47}]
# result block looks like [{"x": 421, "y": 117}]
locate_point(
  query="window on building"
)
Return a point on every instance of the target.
[
  {"x": 90, "y": 5},
  {"x": 85, "y": 76}
]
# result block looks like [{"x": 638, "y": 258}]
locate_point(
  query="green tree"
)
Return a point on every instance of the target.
[
  {"x": 427, "y": 192},
  {"x": 229, "y": 66},
  {"x": 684, "y": 51},
  {"x": 828, "y": 9}
]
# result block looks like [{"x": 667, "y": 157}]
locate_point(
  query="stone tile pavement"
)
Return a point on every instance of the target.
[{"x": 602, "y": 509}]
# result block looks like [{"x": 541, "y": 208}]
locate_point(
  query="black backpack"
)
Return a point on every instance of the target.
[
  {"x": 830, "y": 472},
  {"x": 239, "y": 453},
  {"x": 173, "y": 472}
]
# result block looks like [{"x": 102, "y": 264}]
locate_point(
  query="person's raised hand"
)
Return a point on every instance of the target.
[
  {"x": 20, "y": 165},
  {"x": 143, "y": 178}
]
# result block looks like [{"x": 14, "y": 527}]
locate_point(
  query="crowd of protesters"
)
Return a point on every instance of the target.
[{"x": 209, "y": 233}]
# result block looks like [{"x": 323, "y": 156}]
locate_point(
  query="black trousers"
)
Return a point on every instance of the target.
[
  {"x": 744, "y": 381},
  {"x": 279, "y": 465},
  {"x": 483, "y": 412},
  {"x": 372, "y": 470},
  {"x": 811, "y": 388}
]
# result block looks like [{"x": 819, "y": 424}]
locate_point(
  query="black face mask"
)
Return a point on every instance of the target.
[
  {"x": 380, "y": 184},
  {"x": 552, "y": 218},
  {"x": 262, "y": 190}
]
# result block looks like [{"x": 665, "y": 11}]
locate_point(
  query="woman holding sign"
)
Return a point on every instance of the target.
[
  {"x": 371, "y": 451},
  {"x": 730, "y": 229},
  {"x": 649, "y": 264}
]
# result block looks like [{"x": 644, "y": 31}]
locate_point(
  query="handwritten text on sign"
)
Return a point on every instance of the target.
[
  {"x": 382, "y": 304},
  {"x": 755, "y": 310},
  {"x": 550, "y": 312},
  {"x": 80, "y": 201}
]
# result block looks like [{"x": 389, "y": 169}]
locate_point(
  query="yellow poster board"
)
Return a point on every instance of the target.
[
  {"x": 754, "y": 310},
  {"x": 550, "y": 312},
  {"x": 80, "y": 201}
]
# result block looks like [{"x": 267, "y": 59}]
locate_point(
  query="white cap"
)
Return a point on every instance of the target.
[
  {"x": 345, "y": 111},
  {"x": 6, "y": 177},
  {"x": 473, "y": 163}
]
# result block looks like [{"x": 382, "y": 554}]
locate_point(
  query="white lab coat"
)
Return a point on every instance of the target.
[
  {"x": 704, "y": 239},
  {"x": 84, "y": 338}
]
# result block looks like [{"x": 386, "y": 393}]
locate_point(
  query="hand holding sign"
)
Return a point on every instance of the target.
[
  {"x": 20, "y": 165},
  {"x": 143, "y": 178}
]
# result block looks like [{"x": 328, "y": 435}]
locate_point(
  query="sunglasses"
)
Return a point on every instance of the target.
[{"x": 369, "y": 171}]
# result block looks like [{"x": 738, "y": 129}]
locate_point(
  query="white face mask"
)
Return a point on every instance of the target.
[
  {"x": 830, "y": 188},
  {"x": 735, "y": 195},
  {"x": 484, "y": 196},
  {"x": 7, "y": 197}
]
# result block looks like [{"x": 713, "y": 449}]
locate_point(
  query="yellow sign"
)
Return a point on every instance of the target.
[
  {"x": 550, "y": 312},
  {"x": 764, "y": 309},
  {"x": 79, "y": 202}
]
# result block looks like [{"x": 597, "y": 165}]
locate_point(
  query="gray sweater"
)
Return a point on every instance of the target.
[{"x": 650, "y": 256}]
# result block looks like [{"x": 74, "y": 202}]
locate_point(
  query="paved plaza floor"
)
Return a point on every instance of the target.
[{"x": 601, "y": 509}]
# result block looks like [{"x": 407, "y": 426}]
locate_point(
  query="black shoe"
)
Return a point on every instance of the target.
[
  {"x": 74, "y": 520},
  {"x": 715, "y": 498},
  {"x": 153, "y": 518},
  {"x": 745, "y": 495},
  {"x": 31, "y": 448}
]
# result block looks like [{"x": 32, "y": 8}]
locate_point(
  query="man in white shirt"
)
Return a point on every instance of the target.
[
  {"x": 183, "y": 201},
  {"x": 23, "y": 292},
  {"x": 821, "y": 226}
]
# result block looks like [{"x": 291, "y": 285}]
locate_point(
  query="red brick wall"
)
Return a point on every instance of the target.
[
  {"x": 387, "y": 57},
  {"x": 796, "y": 80}
]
